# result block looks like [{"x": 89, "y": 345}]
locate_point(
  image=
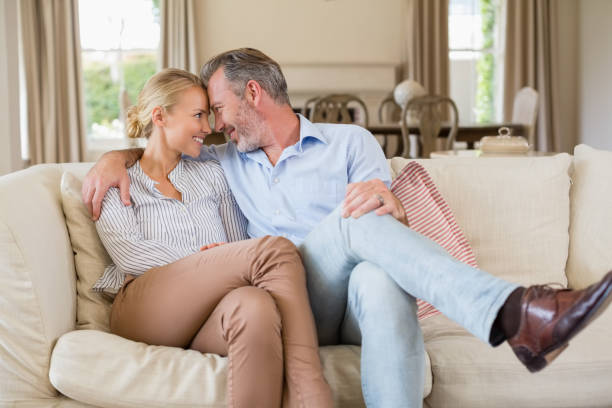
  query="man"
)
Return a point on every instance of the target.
[{"x": 318, "y": 184}]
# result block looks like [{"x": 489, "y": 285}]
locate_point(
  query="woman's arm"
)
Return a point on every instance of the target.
[
  {"x": 234, "y": 222},
  {"x": 119, "y": 232}
]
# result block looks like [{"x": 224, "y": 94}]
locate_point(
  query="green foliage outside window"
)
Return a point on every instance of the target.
[
  {"x": 102, "y": 92},
  {"x": 136, "y": 71},
  {"x": 485, "y": 67}
]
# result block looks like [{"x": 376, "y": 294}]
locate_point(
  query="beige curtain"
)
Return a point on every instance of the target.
[
  {"x": 52, "y": 67},
  {"x": 178, "y": 35},
  {"x": 427, "y": 59},
  {"x": 532, "y": 59}
]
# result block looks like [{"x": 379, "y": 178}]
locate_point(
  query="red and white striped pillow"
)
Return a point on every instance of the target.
[{"x": 429, "y": 215}]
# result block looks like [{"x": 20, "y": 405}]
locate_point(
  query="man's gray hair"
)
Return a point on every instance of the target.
[{"x": 245, "y": 64}]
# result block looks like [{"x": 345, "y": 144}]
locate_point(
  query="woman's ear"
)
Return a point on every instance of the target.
[{"x": 158, "y": 117}]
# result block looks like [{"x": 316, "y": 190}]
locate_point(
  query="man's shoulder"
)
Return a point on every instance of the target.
[
  {"x": 341, "y": 128},
  {"x": 344, "y": 134}
]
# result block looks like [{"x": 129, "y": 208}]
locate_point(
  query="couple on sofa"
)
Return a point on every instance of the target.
[{"x": 320, "y": 187}]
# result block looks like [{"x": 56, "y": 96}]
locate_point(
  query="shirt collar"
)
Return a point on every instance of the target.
[
  {"x": 309, "y": 130},
  {"x": 175, "y": 176}
]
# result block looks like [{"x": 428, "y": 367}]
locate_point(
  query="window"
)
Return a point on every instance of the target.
[
  {"x": 119, "y": 42},
  {"x": 476, "y": 59}
]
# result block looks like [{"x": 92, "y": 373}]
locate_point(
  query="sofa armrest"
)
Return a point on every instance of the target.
[{"x": 37, "y": 280}]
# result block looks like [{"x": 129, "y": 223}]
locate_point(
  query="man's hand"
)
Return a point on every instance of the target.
[
  {"x": 109, "y": 171},
  {"x": 366, "y": 196},
  {"x": 216, "y": 244}
]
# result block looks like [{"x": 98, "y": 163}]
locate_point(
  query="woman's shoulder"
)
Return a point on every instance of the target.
[{"x": 113, "y": 194}]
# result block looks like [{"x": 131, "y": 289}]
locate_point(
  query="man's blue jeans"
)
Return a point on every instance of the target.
[{"x": 363, "y": 277}]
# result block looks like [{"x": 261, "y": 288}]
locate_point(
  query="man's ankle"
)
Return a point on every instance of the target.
[{"x": 508, "y": 318}]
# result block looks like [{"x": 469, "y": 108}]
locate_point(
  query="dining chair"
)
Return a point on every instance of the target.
[
  {"x": 340, "y": 108},
  {"x": 389, "y": 113},
  {"x": 525, "y": 111},
  {"x": 308, "y": 108},
  {"x": 430, "y": 111}
]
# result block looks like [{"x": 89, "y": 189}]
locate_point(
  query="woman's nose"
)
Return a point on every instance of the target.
[{"x": 205, "y": 126}]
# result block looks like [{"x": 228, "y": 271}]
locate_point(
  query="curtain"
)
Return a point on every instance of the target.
[
  {"x": 52, "y": 67},
  {"x": 427, "y": 59},
  {"x": 532, "y": 59},
  {"x": 178, "y": 35}
]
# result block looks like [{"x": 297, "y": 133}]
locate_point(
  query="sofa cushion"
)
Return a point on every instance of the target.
[
  {"x": 90, "y": 257},
  {"x": 514, "y": 212},
  {"x": 57, "y": 402},
  {"x": 469, "y": 373},
  {"x": 135, "y": 374},
  {"x": 590, "y": 252}
]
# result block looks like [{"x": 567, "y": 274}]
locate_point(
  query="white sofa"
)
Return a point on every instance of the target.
[{"x": 525, "y": 224}]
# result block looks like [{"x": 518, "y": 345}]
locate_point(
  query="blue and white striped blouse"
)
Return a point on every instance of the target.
[{"x": 156, "y": 230}]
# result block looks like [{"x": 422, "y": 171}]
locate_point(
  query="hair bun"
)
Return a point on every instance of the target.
[{"x": 133, "y": 126}]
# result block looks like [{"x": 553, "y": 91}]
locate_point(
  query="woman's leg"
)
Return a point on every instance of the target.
[
  {"x": 246, "y": 326},
  {"x": 168, "y": 305}
]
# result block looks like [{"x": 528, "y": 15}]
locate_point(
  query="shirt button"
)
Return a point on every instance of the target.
[
  {"x": 276, "y": 181},
  {"x": 277, "y": 212}
]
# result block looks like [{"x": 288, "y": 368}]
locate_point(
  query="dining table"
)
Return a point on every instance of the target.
[{"x": 469, "y": 133}]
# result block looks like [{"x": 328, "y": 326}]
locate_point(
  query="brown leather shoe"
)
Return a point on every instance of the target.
[{"x": 551, "y": 317}]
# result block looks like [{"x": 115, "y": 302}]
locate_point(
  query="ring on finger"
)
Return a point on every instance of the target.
[{"x": 380, "y": 199}]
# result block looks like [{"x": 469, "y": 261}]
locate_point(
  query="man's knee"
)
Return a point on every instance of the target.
[{"x": 372, "y": 288}]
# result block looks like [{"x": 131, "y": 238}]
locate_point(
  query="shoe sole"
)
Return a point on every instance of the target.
[{"x": 541, "y": 360}]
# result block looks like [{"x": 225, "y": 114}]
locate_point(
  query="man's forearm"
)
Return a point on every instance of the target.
[{"x": 128, "y": 156}]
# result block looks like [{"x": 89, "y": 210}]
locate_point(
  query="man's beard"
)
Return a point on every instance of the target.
[{"x": 249, "y": 129}]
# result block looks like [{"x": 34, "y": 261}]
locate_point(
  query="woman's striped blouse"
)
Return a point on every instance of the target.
[{"x": 156, "y": 230}]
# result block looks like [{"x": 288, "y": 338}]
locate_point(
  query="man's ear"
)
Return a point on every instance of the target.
[
  {"x": 157, "y": 116},
  {"x": 253, "y": 92}
]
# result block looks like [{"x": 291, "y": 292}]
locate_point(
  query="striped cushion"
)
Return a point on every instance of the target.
[{"x": 429, "y": 215}]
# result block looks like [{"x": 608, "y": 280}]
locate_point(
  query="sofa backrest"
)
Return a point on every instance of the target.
[
  {"x": 514, "y": 212},
  {"x": 37, "y": 280}
]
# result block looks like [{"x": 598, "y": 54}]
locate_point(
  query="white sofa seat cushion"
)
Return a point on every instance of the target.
[
  {"x": 104, "y": 369},
  {"x": 470, "y": 374},
  {"x": 513, "y": 211}
]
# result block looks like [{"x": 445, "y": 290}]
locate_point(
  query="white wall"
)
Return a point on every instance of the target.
[
  {"x": 10, "y": 152},
  {"x": 305, "y": 31},
  {"x": 595, "y": 73}
]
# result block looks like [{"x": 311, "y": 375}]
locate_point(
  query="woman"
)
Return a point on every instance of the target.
[{"x": 176, "y": 285}]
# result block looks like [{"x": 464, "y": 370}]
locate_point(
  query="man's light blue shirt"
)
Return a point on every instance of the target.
[{"x": 308, "y": 182}]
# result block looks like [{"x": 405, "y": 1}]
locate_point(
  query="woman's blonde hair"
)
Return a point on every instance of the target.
[{"x": 162, "y": 89}]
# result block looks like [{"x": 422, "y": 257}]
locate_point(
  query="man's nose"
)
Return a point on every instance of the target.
[{"x": 219, "y": 125}]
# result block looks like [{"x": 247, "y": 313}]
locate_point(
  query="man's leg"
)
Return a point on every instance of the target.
[
  {"x": 547, "y": 318},
  {"x": 382, "y": 317},
  {"x": 418, "y": 265}
]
